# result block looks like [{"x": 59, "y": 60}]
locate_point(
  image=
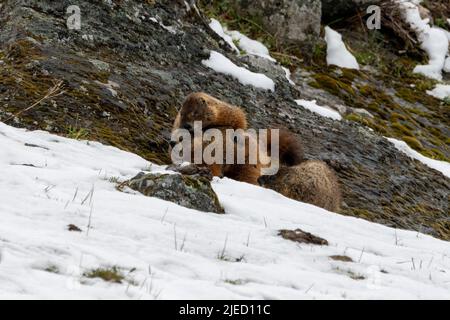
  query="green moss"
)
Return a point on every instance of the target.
[
  {"x": 52, "y": 269},
  {"x": 366, "y": 57},
  {"x": 397, "y": 116},
  {"x": 333, "y": 85},
  {"x": 402, "y": 129},
  {"x": 413, "y": 142},
  {"x": 77, "y": 133},
  {"x": 112, "y": 274}
]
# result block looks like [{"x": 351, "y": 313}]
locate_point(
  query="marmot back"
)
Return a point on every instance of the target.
[{"x": 311, "y": 181}]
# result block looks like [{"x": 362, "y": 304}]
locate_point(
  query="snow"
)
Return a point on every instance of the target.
[
  {"x": 244, "y": 43},
  {"x": 137, "y": 233},
  {"x": 288, "y": 75},
  {"x": 171, "y": 29},
  {"x": 433, "y": 41},
  {"x": 324, "y": 111},
  {"x": 216, "y": 26},
  {"x": 441, "y": 91},
  {"x": 337, "y": 52},
  {"x": 441, "y": 166},
  {"x": 219, "y": 63},
  {"x": 251, "y": 46}
]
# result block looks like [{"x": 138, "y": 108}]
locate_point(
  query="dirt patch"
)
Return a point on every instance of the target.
[
  {"x": 301, "y": 236},
  {"x": 341, "y": 258}
]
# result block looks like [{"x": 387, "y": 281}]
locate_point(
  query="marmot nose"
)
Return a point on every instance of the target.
[{"x": 187, "y": 126}]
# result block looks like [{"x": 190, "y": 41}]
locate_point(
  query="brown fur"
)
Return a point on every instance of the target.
[
  {"x": 290, "y": 147},
  {"x": 220, "y": 115},
  {"x": 311, "y": 181},
  {"x": 246, "y": 172},
  {"x": 211, "y": 111}
]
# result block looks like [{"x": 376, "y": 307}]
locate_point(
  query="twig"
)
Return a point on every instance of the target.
[
  {"x": 360, "y": 258},
  {"x": 51, "y": 93},
  {"x": 222, "y": 254},
  {"x": 183, "y": 243},
  {"x": 309, "y": 288},
  {"x": 89, "y": 221},
  {"x": 175, "y": 236}
]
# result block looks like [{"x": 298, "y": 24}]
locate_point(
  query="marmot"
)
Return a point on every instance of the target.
[
  {"x": 249, "y": 171},
  {"x": 312, "y": 181},
  {"x": 212, "y": 112},
  {"x": 216, "y": 114}
]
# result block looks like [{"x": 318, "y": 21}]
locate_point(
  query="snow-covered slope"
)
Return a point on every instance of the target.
[{"x": 166, "y": 251}]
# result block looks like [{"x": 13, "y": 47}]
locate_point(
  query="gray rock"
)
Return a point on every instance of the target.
[
  {"x": 338, "y": 9},
  {"x": 292, "y": 21},
  {"x": 192, "y": 192}
]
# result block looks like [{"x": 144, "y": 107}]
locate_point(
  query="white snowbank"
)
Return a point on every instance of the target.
[
  {"x": 287, "y": 72},
  {"x": 222, "y": 64},
  {"x": 441, "y": 166},
  {"x": 337, "y": 52},
  {"x": 41, "y": 259},
  {"x": 251, "y": 46},
  {"x": 433, "y": 41},
  {"x": 216, "y": 26},
  {"x": 323, "y": 111},
  {"x": 441, "y": 91},
  {"x": 246, "y": 44}
]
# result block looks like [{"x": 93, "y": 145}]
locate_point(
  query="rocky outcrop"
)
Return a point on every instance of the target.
[
  {"x": 132, "y": 63},
  {"x": 291, "y": 21},
  {"x": 187, "y": 191},
  {"x": 333, "y": 10}
]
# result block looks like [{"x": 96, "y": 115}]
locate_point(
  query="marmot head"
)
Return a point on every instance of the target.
[{"x": 196, "y": 108}]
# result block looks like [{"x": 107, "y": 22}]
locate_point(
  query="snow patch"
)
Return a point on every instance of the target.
[
  {"x": 287, "y": 72},
  {"x": 244, "y": 43},
  {"x": 434, "y": 41},
  {"x": 441, "y": 166},
  {"x": 45, "y": 179},
  {"x": 222, "y": 64},
  {"x": 251, "y": 46},
  {"x": 216, "y": 26},
  {"x": 441, "y": 91},
  {"x": 337, "y": 52},
  {"x": 324, "y": 111}
]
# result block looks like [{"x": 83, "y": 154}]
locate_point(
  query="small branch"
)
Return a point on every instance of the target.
[{"x": 51, "y": 93}]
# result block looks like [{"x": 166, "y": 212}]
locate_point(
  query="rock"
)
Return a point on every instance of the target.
[
  {"x": 192, "y": 170},
  {"x": 192, "y": 192},
  {"x": 338, "y": 9},
  {"x": 291, "y": 21}
]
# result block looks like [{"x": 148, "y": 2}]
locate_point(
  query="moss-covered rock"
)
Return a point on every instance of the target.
[{"x": 193, "y": 192}]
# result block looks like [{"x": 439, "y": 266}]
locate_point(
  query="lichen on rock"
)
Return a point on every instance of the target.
[{"x": 192, "y": 192}]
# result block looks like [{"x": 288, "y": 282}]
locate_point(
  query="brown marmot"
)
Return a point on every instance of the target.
[
  {"x": 216, "y": 114},
  {"x": 312, "y": 181},
  {"x": 290, "y": 152},
  {"x": 248, "y": 170},
  {"x": 212, "y": 112}
]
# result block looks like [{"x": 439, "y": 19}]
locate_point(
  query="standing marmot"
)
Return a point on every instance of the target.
[{"x": 311, "y": 181}]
